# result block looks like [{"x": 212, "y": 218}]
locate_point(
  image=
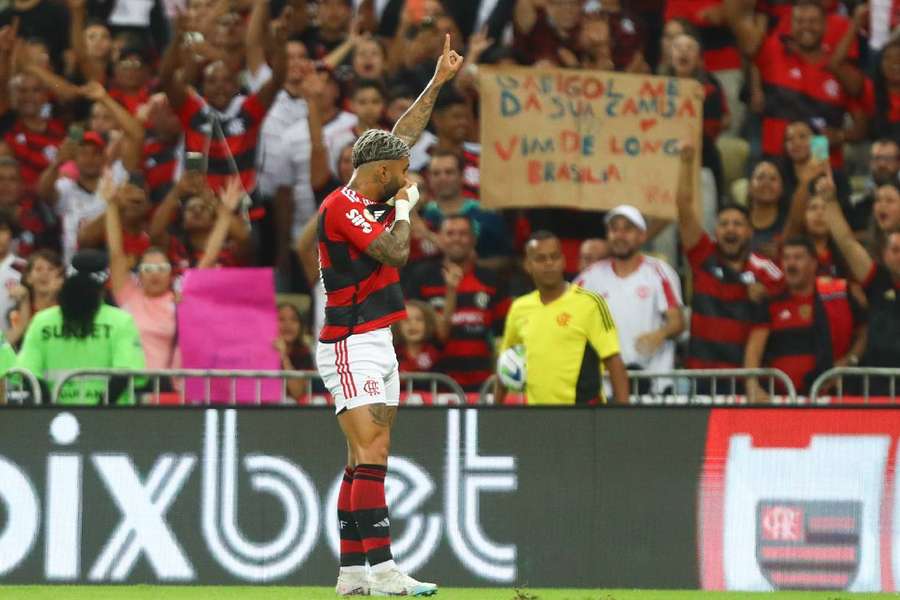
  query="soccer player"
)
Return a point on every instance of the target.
[
  {"x": 567, "y": 333},
  {"x": 358, "y": 258}
]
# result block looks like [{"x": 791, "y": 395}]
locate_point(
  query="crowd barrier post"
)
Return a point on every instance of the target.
[
  {"x": 18, "y": 376},
  {"x": 820, "y": 393}
]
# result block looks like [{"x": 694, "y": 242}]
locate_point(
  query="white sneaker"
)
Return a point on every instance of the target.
[
  {"x": 352, "y": 584},
  {"x": 395, "y": 583}
]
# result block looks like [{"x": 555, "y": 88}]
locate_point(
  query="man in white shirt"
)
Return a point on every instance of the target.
[
  {"x": 642, "y": 292},
  {"x": 75, "y": 201}
]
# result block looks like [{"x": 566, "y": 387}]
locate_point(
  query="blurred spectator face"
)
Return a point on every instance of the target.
[
  {"x": 816, "y": 225},
  {"x": 38, "y": 53},
  {"x": 102, "y": 120},
  {"x": 10, "y": 186},
  {"x": 457, "y": 239},
  {"x": 564, "y": 14},
  {"x": 135, "y": 205},
  {"x": 671, "y": 31},
  {"x": 397, "y": 107},
  {"x": 219, "y": 85},
  {"x": 890, "y": 64},
  {"x": 130, "y": 72},
  {"x": 891, "y": 254},
  {"x": 624, "y": 238},
  {"x": 685, "y": 56},
  {"x": 290, "y": 327},
  {"x": 446, "y": 25},
  {"x": 331, "y": 93},
  {"x": 797, "y": 139},
  {"x": 368, "y": 105},
  {"x": 162, "y": 118},
  {"x": 90, "y": 158},
  {"x": 591, "y": 251},
  {"x": 199, "y": 215},
  {"x": 29, "y": 95},
  {"x": 884, "y": 162},
  {"x": 799, "y": 267},
  {"x": 97, "y": 41},
  {"x": 229, "y": 31},
  {"x": 453, "y": 123},
  {"x": 155, "y": 273},
  {"x": 733, "y": 233},
  {"x": 334, "y": 17},
  {"x": 765, "y": 184},
  {"x": 345, "y": 163},
  {"x": 43, "y": 276},
  {"x": 368, "y": 59},
  {"x": 545, "y": 262},
  {"x": 299, "y": 66},
  {"x": 433, "y": 9},
  {"x": 413, "y": 328},
  {"x": 596, "y": 40},
  {"x": 197, "y": 12},
  {"x": 886, "y": 208},
  {"x": 808, "y": 26},
  {"x": 445, "y": 177}
]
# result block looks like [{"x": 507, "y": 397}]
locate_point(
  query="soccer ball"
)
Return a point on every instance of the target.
[{"x": 511, "y": 368}]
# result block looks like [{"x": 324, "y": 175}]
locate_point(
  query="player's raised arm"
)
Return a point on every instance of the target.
[{"x": 410, "y": 126}]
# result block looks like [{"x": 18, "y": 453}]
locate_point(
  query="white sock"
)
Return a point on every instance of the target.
[
  {"x": 354, "y": 569},
  {"x": 388, "y": 565}
]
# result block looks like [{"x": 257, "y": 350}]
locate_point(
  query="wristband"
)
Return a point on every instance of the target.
[
  {"x": 401, "y": 209},
  {"x": 412, "y": 193}
]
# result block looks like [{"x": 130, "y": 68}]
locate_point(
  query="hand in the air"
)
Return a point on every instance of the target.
[{"x": 448, "y": 64}]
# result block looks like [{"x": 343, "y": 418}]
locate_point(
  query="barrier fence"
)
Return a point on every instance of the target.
[
  {"x": 830, "y": 386},
  {"x": 211, "y": 386},
  {"x": 710, "y": 387}
]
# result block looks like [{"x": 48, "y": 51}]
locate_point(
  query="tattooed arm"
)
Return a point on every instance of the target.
[
  {"x": 392, "y": 247},
  {"x": 410, "y": 126}
]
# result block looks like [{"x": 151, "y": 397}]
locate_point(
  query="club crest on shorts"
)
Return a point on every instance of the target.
[{"x": 371, "y": 387}]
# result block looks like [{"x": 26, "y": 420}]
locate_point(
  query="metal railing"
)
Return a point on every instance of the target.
[
  {"x": 821, "y": 390},
  {"x": 14, "y": 381},
  {"x": 209, "y": 386},
  {"x": 693, "y": 386}
]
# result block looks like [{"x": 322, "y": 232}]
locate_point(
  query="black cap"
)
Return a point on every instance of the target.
[{"x": 90, "y": 261}]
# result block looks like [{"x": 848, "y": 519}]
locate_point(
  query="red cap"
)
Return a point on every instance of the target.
[{"x": 92, "y": 137}]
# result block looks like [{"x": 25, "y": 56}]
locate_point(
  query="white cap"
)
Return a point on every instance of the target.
[{"x": 630, "y": 213}]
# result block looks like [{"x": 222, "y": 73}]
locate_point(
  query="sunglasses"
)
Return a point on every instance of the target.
[{"x": 155, "y": 268}]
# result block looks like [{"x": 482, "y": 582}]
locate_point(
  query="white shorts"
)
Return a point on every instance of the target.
[{"x": 361, "y": 369}]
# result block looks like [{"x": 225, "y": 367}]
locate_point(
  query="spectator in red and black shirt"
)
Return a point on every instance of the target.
[
  {"x": 38, "y": 226},
  {"x": 799, "y": 81},
  {"x": 454, "y": 123},
  {"x": 471, "y": 305},
  {"x": 33, "y": 138},
  {"x": 881, "y": 95},
  {"x": 222, "y": 124},
  {"x": 810, "y": 324},
  {"x": 729, "y": 281},
  {"x": 415, "y": 337},
  {"x": 542, "y": 29}
]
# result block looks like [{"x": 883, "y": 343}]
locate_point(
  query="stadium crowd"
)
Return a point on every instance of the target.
[{"x": 176, "y": 134}]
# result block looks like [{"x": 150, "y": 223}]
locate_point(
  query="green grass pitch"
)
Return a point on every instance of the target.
[{"x": 307, "y": 593}]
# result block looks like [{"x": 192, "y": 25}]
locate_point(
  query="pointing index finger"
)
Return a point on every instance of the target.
[{"x": 446, "y": 45}]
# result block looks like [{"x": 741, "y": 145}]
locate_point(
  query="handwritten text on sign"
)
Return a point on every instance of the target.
[{"x": 584, "y": 139}]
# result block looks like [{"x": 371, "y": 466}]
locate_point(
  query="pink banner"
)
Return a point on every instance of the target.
[{"x": 227, "y": 320}]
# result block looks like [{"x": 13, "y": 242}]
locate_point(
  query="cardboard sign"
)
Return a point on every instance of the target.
[{"x": 588, "y": 140}]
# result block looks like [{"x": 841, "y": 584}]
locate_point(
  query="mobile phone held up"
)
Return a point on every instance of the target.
[
  {"x": 193, "y": 162},
  {"x": 76, "y": 133},
  {"x": 818, "y": 147}
]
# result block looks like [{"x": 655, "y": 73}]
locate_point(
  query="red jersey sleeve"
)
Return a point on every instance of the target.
[
  {"x": 254, "y": 108},
  {"x": 192, "y": 104},
  {"x": 348, "y": 220},
  {"x": 700, "y": 252},
  {"x": 865, "y": 103}
]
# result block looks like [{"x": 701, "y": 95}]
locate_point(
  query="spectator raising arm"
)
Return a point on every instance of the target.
[
  {"x": 169, "y": 78},
  {"x": 453, "y": 275},
  {"x": 410, "y": 126},
  {"x": 688, "y": 223},
  {"x": 229, "y": 199},
  {"x": 8, "y": 35},
  {"x": 257, "y": 27},
  {"x": 525, "y": 14},
  {"x": 748, "y": 27},
  {"x": 271, "y": 88},
  {"x": 46, "y": 187},
  {"x": 131, "y": 127},
  {"x": 118, "y": 260},
  {"x": 858, "y": 260},
  {"x": 191, "y": 183}
]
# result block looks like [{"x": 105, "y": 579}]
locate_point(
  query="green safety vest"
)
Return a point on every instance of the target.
[{"x": 114, "y": 343}]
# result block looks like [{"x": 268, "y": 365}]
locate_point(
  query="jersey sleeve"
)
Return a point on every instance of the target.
[
  {"x": 601, "y": 329},
  {"x": 348, "y": 221},
  {"x": 191, "y": 106},
  {"x": 128, "y": 353},
  {"x": 697, "y": 254}
]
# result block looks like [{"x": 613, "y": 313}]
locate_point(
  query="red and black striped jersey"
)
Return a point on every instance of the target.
[
  {"x": 159, "y": 162},
  {"x": 882, "y": 106},
  {"x": 481, "y": 306},
  {"x": 34, "y": 149},
  {"x": 719, "y": 45},
  {"x": 722, "y": 313},
  {"x": 799, "y": 341},
  {"x": 362, "y": 293},
  {"x": 240, "y": 124},
  {"x": 798, "y": 90}
]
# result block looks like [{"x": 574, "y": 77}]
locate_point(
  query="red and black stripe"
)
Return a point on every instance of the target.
[
  {"x": 353, "y": 554},
  {"x": 160, "y": 160},
  {"x": 34, "y": 149},
  {"x": 369, "y": 507}
]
